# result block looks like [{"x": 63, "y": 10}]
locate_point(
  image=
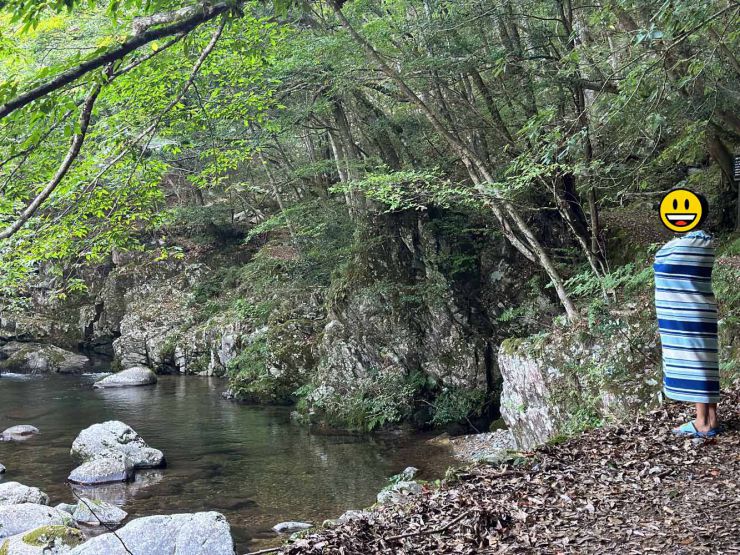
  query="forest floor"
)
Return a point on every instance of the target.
[{"x": 628, "y": 490}]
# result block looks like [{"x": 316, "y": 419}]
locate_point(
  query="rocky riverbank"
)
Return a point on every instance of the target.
[{"x": 631, "y": 489}]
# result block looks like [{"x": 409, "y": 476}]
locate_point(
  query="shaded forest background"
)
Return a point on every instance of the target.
[{"x": 411, "y": 170}]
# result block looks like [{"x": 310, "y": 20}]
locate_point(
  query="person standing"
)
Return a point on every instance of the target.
[{"x": 687, "y": 320}]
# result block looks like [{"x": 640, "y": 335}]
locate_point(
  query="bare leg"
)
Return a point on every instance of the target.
[
  {"x": 706, "y": 416},
  {"x": 713, "y": 420}
]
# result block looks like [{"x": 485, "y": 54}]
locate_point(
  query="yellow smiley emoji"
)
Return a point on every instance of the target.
[{"x": 681, "y": 210}]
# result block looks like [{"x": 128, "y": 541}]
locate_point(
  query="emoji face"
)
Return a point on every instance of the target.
[{"x": 681, "y": 210}]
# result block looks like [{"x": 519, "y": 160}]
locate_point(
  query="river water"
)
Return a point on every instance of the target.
[{"x": 250, "y": 463}]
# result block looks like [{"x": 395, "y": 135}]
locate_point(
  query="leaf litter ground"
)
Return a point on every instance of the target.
[{"x": 632, "y": 489}]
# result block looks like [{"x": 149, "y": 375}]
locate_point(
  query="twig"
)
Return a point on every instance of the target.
[
  {"x": 432, "y": 531},
  {"x": 268, "y": 550}
]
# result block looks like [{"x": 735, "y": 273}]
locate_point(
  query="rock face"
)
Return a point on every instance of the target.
[
  {"x": 111, "y": 451},
  {"x": 46, "y": 540},
  {"x": 13, "y": 493},
  {"x": 19, "y": 433},
  {"x": 96, "y": 512},
  {"x": 15, "y": 519},
  {"x": 138, "y": 375},
  {"x": 182, "y": 534},
  {"x": 37, "y": 358},
  {"x": 566, "y": 381}
]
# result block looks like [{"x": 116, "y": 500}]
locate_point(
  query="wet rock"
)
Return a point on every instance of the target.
[
  {"x": 38, "y": 358},
  {"x": 13, "y": 493},
  {"x": 66, "y": 507},
  {"x": 408, "y": 473},
  {"x": 290, "y": 527},
  {"x": 104, "y": 440},
  {"x": 136, "y": 376},
  {"x": 96, "y": 512},
  {"x": 19, "y": 433},
  {"x": 46, "y": 540},
  {"x": 16, "y": 519},
  {"x": 2, "y": 469},
  {"x": 183, "y": 534},
  {"x": 113, "y": 467},
  {"x": 400, "y": 492},
  {"x": 119, "y": 493}
]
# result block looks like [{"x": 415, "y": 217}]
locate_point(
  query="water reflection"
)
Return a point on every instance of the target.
[{"x": 251, "y": 463}]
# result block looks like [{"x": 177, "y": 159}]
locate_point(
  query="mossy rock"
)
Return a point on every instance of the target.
[{"x": 42, "y": 537}]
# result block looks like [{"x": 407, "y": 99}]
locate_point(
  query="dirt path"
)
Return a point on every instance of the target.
[{"x": 627, "y": 490}]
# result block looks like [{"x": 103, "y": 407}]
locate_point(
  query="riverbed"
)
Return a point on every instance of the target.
[{"x": 253, "y": 464}]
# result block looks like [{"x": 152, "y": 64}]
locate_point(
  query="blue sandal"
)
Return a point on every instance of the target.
[{"x": 689, "y": 430}]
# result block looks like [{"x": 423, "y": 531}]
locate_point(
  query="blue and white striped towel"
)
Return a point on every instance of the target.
[{"x": 687, "y": 318}]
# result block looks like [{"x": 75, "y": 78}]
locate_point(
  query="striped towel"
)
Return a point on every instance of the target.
[{"x": 687, "y": 318}]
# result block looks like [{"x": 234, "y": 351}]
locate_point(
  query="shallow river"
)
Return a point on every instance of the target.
[{"x": 250, "y": 463}]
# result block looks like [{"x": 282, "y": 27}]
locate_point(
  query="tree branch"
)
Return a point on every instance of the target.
[
  {"x": 72, "y": 153},
  {"x": 201, "y": 15}
]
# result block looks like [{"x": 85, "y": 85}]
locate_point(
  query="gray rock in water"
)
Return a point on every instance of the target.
[
  {"x": 19, "y": 433},
  {"x": 2, "y": 469},
  {"x": 400, "y": 492},
  {"x": 96, "y": 512},
  {"x": 46, "y": 540},
  {"x": 38, "y": 358},
  {"x": 102, "y": 440},
  {"x": 290, "y": 527},
  {"x": 13, "y": 493},
  {"x": 16, "y": 519},
  {"x": 183, "y": 534},
  {"x": 136, "y": 376},
  {"x": 114, "y": 467},
  {"x": 66, "y": 507},
  {"x": 409, "y": 473}
]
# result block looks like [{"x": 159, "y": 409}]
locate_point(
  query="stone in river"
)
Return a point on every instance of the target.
[
  {"x": 115, "y": 467},
  {"x": 136, "y": 376},
  {"x": 103, "y": 440},
  {"x": 13, "y": 493},
  {"x": 96, "y": 512},
  {"x": 16, "y": 519},
  {"x": 2, "y": 469},
  {"x": 45, "y": 540},
  {"x": 66, "y": 507},
  {"x": 38, "y": 358},
  {"x": 19, "y": 433},
  {"x": 182, "y": 534},
  {"x": 290, "y": 527}
]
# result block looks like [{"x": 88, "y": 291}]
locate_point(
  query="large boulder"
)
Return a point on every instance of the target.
[
  {"x": 38, "y": 358},
  {"x": 181, "y": 534},
  {"x": 138, "y": 375},
  {"x": 101, "y": 440},
  {"x": 111, "y": 452},
  {"x": 114, "y": 467},
  {"x": 16, "y": 519},
  {"x": 95, "y": 512},
  {"x": 18, "y": 433},
  {"x": 13, "y": 493},
  {"x": 46, "y": 540},
  {"x": 568, "y": 380}
]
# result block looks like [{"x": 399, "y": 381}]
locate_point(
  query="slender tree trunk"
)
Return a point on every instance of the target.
[{"x": 500, "y": 207}]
